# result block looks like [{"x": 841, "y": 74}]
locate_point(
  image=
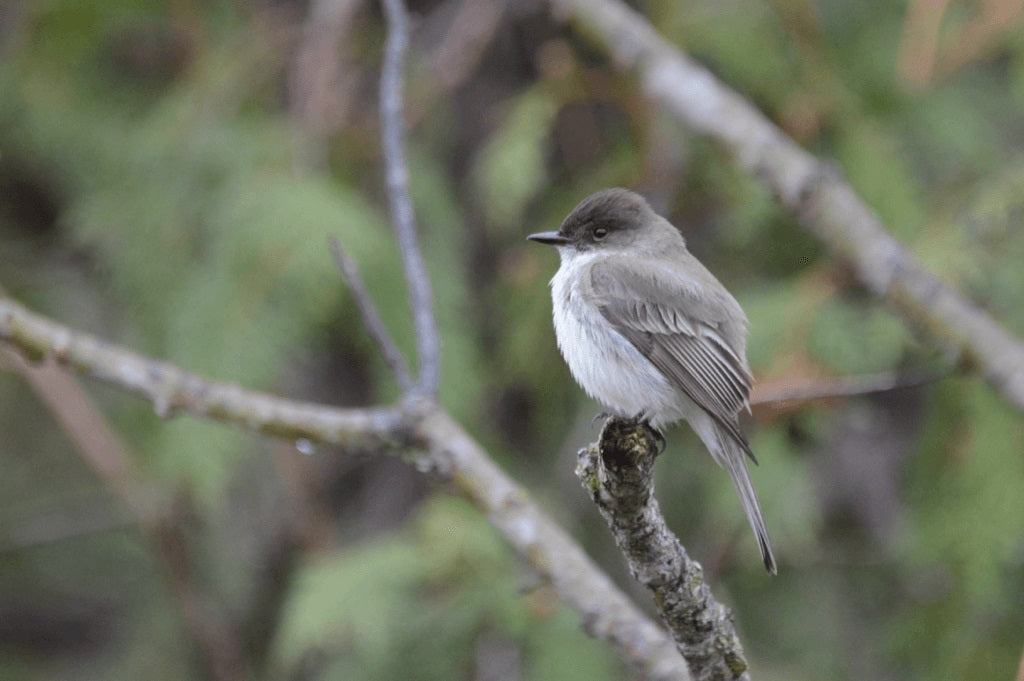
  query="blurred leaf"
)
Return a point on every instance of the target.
[
  {"x": 763, "y": 63},
  {"x": 854, "y": 338},
  {"x": 353, "y": 599},
  {"x": 764, "y": 307},
  {"x": 558, "y": 651},
  {"x": 874, "y": 161},
  {"x": 511, "y": 168},
  {"x": 973, "y": 513},
  {"x": 445, "y": 582},
  {"x": 786, "y": 489}
]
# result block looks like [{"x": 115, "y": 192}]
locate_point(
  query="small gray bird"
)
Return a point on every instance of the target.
[{"x": 650, "y": 333}]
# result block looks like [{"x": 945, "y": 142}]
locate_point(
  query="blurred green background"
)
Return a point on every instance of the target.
[{"x": 169, "y": 175}]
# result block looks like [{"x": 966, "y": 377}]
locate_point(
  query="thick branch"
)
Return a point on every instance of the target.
[
  {"x": 606, "y": 612},
  {"x": 618, "y": 476},
  {"x": 811, "y": 189},
  {"x": 397, "y": 174},
  {"x": 417, "y": 430}
]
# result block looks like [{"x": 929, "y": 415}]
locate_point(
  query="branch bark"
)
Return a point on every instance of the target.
[
  {"x": 618, "y": 475},
  {"x": 811, "y": 189},
  {"x": 416, "y": 429},
  {"x": 397, "y": 175}
]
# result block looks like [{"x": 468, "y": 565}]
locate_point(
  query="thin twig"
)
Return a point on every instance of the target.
[
  {"x": 470, "y": 33},
  {"x": 840, "y": 386},
  {"x": 396, "y": 171},
  {"x": 371, "y": 318},
  {"x": 416, "y": 431},
  {"x": 812, "y": 190}
]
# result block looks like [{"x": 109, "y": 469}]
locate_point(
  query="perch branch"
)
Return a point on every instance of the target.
[
  {"x": 418, "y": 431},
  {"x": 371, "y": 318},
  {"x": 617, "y": 474},
  {"x": 812, "y": 190},
  {"x": 397, "y": 178}
]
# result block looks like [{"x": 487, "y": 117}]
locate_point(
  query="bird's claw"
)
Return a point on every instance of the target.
[
  {"x": 659, "y": 439},
  {"x": 655, "y": 434}
]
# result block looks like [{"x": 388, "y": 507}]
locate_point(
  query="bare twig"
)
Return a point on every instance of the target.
[
  {"x": 98, "y": 444},
  {"x": 618, "y": 475},
  {"x": 217, "y": 639},
  {"x": 472, "y": 30},
  {"x": 371, "y": 318},
  {"x": 323, "y": 77},
  {"x": 418, "y": 430},
  {"x": 840, "y": 386},
  {"x": 919, "y": 45},
  {"x": 811, "y": 189},
  {"x": 397, "y": 175}
]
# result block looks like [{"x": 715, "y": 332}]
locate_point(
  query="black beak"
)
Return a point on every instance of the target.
[{"x": 550, "y": 238}]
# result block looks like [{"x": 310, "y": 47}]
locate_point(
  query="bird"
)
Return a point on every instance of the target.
[{"x": 651, "y": 334}]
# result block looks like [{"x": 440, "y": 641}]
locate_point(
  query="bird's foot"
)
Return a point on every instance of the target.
[
  {"x": 659, "y": 442},
  {"x": 600, "y": 416},
  {"x": 659, "y": 439}
]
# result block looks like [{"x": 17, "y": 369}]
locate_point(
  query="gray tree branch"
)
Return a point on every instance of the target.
[
  {"x": 397, "y": 176},
  {"x": 417, "y": 430},
  {"x": 618, "y": 475},
  {"x": 811, "y": 189}
]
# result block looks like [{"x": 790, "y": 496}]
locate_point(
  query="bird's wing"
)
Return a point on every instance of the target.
[{"x": 684, "y": 327}]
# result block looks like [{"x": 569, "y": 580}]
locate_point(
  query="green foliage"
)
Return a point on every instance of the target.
[
  {"x": 855, "y": 338},
  {"x": 764, "y": 307},
  {"x": 989, "y": 237},
  {"x": 785, "y": 481},
  {"x": 511, "y": 169},
  {"x": 967, "y": 520},
  {"x": 189, "y": 228},
  {"x": 445, "y": 583},
  {"x": 216, "y": 245},
  {"x": 700, "y": 32},
  {"x": 873, "y": 160}
]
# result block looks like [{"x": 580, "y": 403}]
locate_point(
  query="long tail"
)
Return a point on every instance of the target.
[{"x": 731, "y": 457}]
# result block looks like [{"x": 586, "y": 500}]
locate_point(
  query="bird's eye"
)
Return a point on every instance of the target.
[{"x": 600, "y": 233}]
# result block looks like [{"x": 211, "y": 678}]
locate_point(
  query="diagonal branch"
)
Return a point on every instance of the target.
[
  {"x": 618, "y": 475},
  {"x": 371, "y": 318},
  {"x": 810, "y": 189},
  {"x": 840, "y": 386},
  {"x": 397, "y": 175},
  {"x": 417, "y": 431}
]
